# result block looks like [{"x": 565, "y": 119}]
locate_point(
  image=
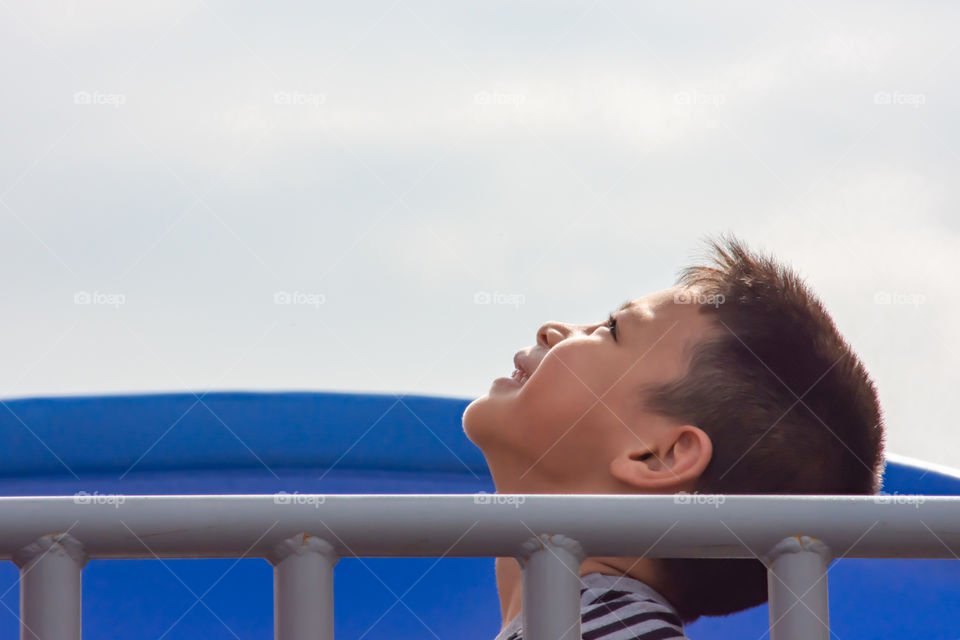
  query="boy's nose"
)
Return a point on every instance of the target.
[
  {"x": 553, "y": 332},
  {"x": 550, "y": 334}
]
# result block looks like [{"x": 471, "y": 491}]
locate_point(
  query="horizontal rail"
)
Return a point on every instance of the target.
[{"x": 478, "y": 525}]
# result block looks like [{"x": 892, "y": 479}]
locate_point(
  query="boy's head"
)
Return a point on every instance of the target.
[
  {"x": 577, "y": 425},
  {"x": 733, "y": 381}
]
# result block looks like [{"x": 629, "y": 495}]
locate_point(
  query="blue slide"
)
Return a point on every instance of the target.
[{"x": 351, "y": 443}]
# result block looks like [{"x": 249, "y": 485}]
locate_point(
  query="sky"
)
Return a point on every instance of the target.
[{"x": 393, "y": 197}]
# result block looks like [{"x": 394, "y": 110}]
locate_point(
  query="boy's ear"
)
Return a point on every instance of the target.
[{"x": 670, "y": 464}]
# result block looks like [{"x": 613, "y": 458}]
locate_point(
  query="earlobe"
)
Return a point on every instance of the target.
[{"x": 681, "y": 458}]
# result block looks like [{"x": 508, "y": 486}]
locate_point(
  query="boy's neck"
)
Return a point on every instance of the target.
[{"x": 510, "y": 584}]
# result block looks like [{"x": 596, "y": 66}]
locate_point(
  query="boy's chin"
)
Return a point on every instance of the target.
[
  {"x": 481, "y": 420},
  {"x": 473, "y": 418}
]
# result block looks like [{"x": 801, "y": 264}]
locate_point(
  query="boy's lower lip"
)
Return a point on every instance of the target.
[{"x": 507, "y": 379}]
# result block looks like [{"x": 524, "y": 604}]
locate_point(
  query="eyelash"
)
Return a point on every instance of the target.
[{"x": 612, "y": 325}]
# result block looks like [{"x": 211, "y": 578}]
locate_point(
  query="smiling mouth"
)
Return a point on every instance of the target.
[{"x": 519, "y": 376}]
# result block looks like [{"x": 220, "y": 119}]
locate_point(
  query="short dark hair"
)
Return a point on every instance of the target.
[{"x": 788, "y": 406}]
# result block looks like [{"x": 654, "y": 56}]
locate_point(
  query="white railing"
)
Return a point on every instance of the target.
[{"x": 303, "y": 536}]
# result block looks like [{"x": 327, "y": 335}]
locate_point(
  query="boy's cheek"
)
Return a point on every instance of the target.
[
  {"x": 573, "y": 372},
  {"x": 559, "y": 394},
  {"x": 548, "y": 427}
]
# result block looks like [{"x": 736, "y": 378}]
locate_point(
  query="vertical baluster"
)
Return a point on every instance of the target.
[
  {"x": 551, "y": 588},
  {"x": 303, "y": 588},
  {"x": 797, "y": 589},
  {"x": 50, "y": 571}
]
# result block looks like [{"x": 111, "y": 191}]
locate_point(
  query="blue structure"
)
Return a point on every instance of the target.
[{"x": 349, "y": 443}]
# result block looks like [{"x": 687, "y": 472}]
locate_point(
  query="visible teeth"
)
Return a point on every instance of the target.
[{"x": 519, "y": 376}]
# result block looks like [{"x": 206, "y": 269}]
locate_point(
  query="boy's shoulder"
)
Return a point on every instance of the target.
[{"x": 611, "y": 604}]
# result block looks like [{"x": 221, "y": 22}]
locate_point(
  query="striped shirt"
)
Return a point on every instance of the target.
[{"x": 616, "y": 608}]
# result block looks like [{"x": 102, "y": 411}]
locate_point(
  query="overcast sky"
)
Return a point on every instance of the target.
[{"x": 203, "y": 195}]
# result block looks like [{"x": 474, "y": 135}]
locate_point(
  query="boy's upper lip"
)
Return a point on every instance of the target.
[{"x": 523, "y": 364}]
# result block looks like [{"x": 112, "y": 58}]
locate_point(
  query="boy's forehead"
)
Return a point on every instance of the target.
[
  {"x": 649, "y": 304},
  {"x": 667, "y": 322}
]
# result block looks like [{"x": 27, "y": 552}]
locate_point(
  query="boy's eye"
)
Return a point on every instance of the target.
[{"x": 612, "y": 325}]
